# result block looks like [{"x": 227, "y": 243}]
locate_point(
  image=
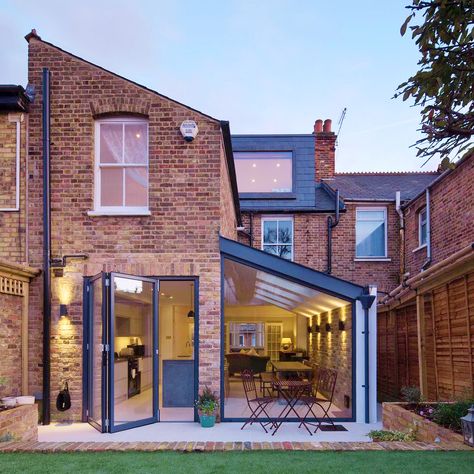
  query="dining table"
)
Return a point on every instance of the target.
[{"x": 289, "y": 367}]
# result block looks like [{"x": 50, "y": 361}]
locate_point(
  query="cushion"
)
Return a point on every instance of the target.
[
  {"x": 252, "y": 352},
  {"x": 243, "y": 351}
]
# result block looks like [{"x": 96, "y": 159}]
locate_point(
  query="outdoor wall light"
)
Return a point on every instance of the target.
[
  {"x": 328, "y": 327},
  {"x": 342, "y": 325},
  {"x": 317, "y": 328},
  {"x": 63, "y": 314},
  {"x": 191, "y": 314}
]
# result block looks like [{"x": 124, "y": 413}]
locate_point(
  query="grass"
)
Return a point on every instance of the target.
[{"x": 254, "y": 462}]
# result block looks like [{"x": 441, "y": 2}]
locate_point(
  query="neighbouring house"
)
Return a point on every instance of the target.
[{"x": 129, "y": 206}]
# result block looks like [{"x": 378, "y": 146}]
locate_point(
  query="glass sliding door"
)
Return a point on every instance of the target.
[
  {"x": 97, "y": 365},
  {"x": 133, "y": 361}
]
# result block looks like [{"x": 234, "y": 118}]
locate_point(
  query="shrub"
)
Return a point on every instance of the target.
[
  {"x": 449, "y": 414},
  {"x": 207, "y": 402},
  {"x": 411, "y": 394},
  {"x": 387, "y": 435}
]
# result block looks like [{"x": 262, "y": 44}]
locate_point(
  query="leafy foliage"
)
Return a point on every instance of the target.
[
  {"x": 449, "y": 414},
  {"x": 411, "y": 394},
  {"x": 388, "y": 435},
  {"x": 207, "y": 402},
  {"x": 444, "y": 84}
]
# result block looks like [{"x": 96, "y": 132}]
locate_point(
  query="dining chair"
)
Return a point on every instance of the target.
[
  {"x": 257, "y": 405},
  {"x": 321, "y": 397}
]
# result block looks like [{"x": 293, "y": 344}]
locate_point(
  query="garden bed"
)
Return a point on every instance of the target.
[
  {"x": 406, "y": 416},
  {"x": 19, "y": 424}
]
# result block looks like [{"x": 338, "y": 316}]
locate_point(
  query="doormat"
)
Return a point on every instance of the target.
[{"x": 332, "y": 428}]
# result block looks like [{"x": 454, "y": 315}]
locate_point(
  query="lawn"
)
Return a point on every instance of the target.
[{"x": 253, "y": 462}]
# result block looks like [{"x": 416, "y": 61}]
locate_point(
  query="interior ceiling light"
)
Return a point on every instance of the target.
[
  {"x": 254, "y": 165},
  {"x": 275, "y": 180},
  {"x": 137, "y": 135},
  {"x": 253, "y": 181},
  {"x": 278, "y": 165}
]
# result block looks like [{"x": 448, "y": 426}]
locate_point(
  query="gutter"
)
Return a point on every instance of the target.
[
  {"x": 231, "y": 167},
  {"x": 415, "y": 281},
  {"x": 46, "y": 407}
]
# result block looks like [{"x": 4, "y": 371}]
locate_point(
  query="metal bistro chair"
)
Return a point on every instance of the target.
[
  {"x": 323, "y": 393},
  {"x": 257, "y": 405}
]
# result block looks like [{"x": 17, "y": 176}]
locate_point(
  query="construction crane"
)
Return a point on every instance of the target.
[{"x": 340, "y": 122}]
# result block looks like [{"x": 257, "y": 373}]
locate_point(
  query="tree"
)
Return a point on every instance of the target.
[{"x": 444, "y": 84}]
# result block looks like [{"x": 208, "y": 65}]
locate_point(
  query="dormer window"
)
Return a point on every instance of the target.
[
  {"x": 264, "y": 171},
  {"x": 121, "y": 166}
]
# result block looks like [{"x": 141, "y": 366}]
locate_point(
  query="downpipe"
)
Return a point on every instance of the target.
[
  {"x": 331, "y": 224},
  {"x": 46, "y": 408}
]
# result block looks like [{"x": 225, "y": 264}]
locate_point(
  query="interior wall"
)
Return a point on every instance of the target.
[{"x": 333, "y": 349}]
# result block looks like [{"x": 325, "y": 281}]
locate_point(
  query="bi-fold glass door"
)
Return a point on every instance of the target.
[{"x": 122, "y": 359}]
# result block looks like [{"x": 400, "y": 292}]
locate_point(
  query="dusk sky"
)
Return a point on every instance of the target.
[{"x": 268, "y": 66}]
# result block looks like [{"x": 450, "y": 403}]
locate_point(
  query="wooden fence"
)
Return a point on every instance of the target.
[{"x": 448, "y": 343}]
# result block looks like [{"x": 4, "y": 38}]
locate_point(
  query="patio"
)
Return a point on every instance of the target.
[{"x": 192, "y": 432}]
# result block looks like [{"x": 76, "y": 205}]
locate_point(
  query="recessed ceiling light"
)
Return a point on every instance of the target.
[
  {"x": 254, "y": 165},
  {"x": 137, "y": 135},
  {"x": 275, "y": 180},
  {"x": 162, "y": 294},
  {"x": 253, "y": 181},
  {"x": 171, "y": 297},
  {"x": 278, "y": 165}
]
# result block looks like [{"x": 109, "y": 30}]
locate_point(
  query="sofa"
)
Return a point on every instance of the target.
[{"x": 239, "y": 362}]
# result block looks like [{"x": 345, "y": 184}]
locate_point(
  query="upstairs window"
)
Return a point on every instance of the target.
[
  {"x": 371, "y": 233},
  {"x": 121, "y": 166},
  {"x": 264, "y": 171},
  {"x": 422, "y": 227},
  {"x": 277, "y": 236}
]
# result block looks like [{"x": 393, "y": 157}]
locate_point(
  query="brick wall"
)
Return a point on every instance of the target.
[
  {"x": 396, "y": 417},
  {"x": 310, "y": 246},
  {"x": 20, "y": 422},
  {"x": 333, "y": 350},
  {"x": 12, "y": 223},
  {"x": 452, "y": 217},
  {"x": 10, "y": 344},
  {"x": 180, "y": 237}
]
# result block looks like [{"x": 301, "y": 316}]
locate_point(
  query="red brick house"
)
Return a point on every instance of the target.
[{"x": 146, "y": 296}]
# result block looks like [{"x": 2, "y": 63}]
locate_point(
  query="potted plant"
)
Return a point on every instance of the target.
[{"x": 207, "y": 405}]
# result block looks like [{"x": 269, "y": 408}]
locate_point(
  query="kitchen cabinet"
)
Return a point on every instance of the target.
[
  {"x": 145, "y": 366},
  {"x": 120, "y": 380}
]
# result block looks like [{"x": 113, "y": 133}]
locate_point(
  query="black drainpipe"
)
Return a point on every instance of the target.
[
  {"x": 46, "y": 415},
  {"x": 331, "y": 225}
]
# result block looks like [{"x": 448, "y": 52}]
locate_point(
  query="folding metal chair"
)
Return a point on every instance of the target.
[
  {"x": 323, "y": 393},
  {"x": 257, "y": 405}
]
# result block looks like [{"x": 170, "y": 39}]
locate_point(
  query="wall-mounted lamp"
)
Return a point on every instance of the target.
[
  {"x": 317, "y": 328},
  {"x": 328, "y": 327},
  {"x": 191, "y": 314},
  {"x": 63, "y": 311},
  {"x": 342, "y": 325}
]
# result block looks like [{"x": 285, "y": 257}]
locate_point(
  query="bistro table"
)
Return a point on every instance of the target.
[{"x": 291, "y": 391}]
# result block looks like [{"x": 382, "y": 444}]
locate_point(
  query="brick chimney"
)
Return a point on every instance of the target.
[{"x": 324, "y": 149}]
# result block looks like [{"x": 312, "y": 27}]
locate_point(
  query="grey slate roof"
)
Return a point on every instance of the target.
[{"x": 380, "y": 186}]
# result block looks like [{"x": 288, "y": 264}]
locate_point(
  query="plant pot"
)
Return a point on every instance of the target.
[{"x": 208, "y": 421}]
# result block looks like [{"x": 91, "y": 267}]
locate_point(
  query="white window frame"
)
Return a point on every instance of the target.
[
  {"x": 118, "y": 210},
  {"x": 378, "y": 257},
  {"x": 279, "y": 218},
  {"x": 420, "y": 221}
]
